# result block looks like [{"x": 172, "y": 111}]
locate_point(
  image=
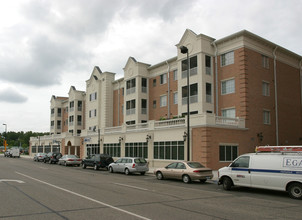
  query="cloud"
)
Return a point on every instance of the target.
[{"x": 11, "y": 95}]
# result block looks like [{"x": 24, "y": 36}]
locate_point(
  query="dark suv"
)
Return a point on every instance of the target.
[
  {"x": 52, "y": 157},
  {"x": 97, "y": 161}
]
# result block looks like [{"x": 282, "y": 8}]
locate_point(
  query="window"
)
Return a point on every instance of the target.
[
  {"x": 144, "y": 106},
  {"x": 59, "y": 112},
  {"x": 227, "y": 58},
  {"x": 243, "y": 161},
  {"x": 265, "y": 62},
  {"x": 79, "y": 105},
  {"x": 193, "y": 67},
  {"x": 130, "y": 122},
  {"x": 228, "y": 86},
  {"x": 52, "y": 124},
  {"x": 163, "y": 101},
  {"x": 114, "y": 149},
  {"x": 58, "y": 124},
  {"x": 71, "y": 106},
  {"x": 154, "y": 103},
  {"x": 52, "y": 111},
  {"x": 208, "y": 92},
  {"x": 169, "y": 150},
  {"x": 92, "y": 96},
  {"x": 175, "y": 98},
  {"x": 130, "y": 86},
  {"x": 144, "y": 85},
  {"x": 71, "y": 119},
  {"x": 193, "y": 94},
  {"x": 229, "y": 113},
  {"x": 266, "y": 117},
  {"x": 265, "y": 89},
  {"x": 163, "y": 78},
  {"x": 227, "y": 153},
  {"x": 79, "y": 119},
  {"x": 154, "y": 82},
  {"x": 208, "y": 65},
  {"x": 92, "y": 113},
  {"x": 139, "y": 149},
  {"x": 175, "y": 75},
  {"x": 130, "y": 107}
]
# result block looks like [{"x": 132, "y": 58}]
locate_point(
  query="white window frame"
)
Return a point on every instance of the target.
[
  {"x": 265, "y": 88},
  {"x": 175, "y": 98},
  {"x": 175, "y": 77},
  {"x": 266, "y": 117},
  {"x": 163, "y": 100},
  {"x": 228, "y": 112},
  {"x": 227, "y": 58},
  {"x": 163, "y": 78},
  {"x": 229, "y": 86},
  {"x": 265, "y": 61}
]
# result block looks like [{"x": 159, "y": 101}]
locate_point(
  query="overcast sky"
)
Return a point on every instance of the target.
[{"x": 48, "y": 46}]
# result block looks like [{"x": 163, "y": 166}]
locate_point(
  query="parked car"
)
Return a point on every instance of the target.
[
  {"x": 52, "y": 157},
  {"x": 70, "y": 159},
  {"x": 39, "y": 157},
  {"x": 129, "y": 165},
  {"x": 185, "y": 171},
  {"x": 97, "y": 161},
  {"x": 7, "y": 153}
]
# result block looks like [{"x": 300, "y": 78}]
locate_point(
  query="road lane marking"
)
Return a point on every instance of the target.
[
  {"x": 84, "y": 197},
  {"x": 7, "y": 180},
  {"x": 135, "y": 187}
]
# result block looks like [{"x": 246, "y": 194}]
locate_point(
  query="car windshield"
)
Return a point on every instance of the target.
[
  {"x": 140, "y": 160},
  {"x": 195, "y": 165}
]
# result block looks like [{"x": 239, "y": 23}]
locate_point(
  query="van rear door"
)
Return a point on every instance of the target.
[{"x": 240, "y": 171}]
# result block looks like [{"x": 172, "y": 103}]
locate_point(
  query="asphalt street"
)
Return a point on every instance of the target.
[{"x": 34, "y": 190}]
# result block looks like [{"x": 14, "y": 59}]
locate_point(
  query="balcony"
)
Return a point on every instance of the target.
[
  {"x": 144, "y": 89},
  {"x": 130, "y": 91},
  {"x": 193, "y": 71},
  {"x": 193, "y": 99},
  {"x": 130, "y": 111}
]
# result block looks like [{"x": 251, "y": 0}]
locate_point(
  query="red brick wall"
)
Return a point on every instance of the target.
[{"x": 156, "y": 92}]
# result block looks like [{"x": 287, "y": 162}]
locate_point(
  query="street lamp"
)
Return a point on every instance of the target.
[
  {"x": 184, "y": 50},
  {"x": 5, "y": 138}
]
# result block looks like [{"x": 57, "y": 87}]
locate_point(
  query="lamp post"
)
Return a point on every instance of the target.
[
  {"x": 184, "y": 50},
  {"x": 5, "y": 137}
]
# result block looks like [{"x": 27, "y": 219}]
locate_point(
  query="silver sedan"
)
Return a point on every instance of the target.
[{"x": 70, "y": 159}]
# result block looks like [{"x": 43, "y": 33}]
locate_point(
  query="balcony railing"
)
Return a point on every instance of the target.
[
  {"x": 144, "y": 89},
  {"x": 208, "y": 70},
  {"x": 130, "y": 111},
  {"x": 193, "y": 71},
  {"x": 130, "y": 91},
  {"x": 193, "y": 99},
  {"x": 144, "y": 111}
]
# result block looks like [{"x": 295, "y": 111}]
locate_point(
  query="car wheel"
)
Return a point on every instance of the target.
[
  {"x": 186, "y": 179},
  {"x": 159, "y": 175},
  {"x": 65, "y": 164},
  {"x": 227, "y": 183},
  {"x": 202, "y": 181},
  {"x": 143, "y": 173},
  {"x": 95, "y": 167},
  {"x": 127, "y": 172},
  {"x": 84, "y": 166},
  {"x": 110, "y": 169},
  {"x": 295, "y": 190}
]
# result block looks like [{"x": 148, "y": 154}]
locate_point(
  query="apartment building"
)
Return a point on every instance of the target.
[{"x": 243, "y": 91}]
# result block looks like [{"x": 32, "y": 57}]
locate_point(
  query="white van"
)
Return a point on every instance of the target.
[
  {"x": 277, "y": 169},
  {"x": 15, "y": 152}
]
